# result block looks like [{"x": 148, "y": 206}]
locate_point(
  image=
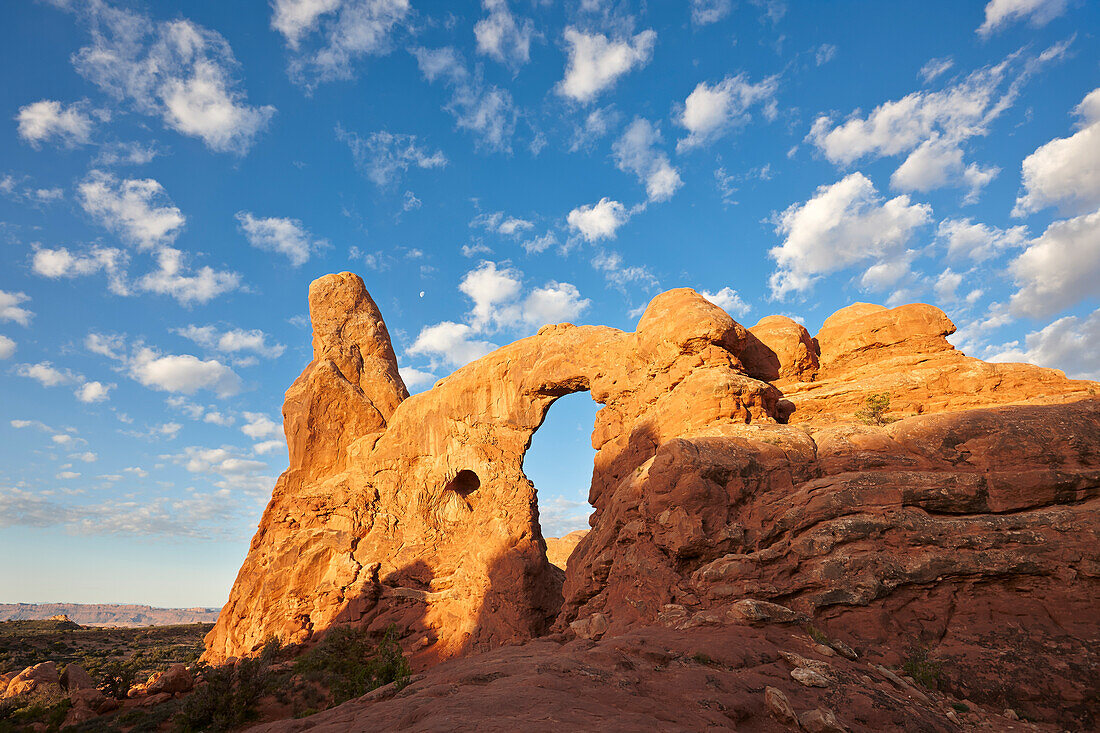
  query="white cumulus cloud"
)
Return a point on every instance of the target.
[
  {"x": 501, "y": 36},
  {"x": 596, "y": 62},
  {"x": 844, "y": 224},
  {"x": 931, "y": 128},
  {"x": 554, "y": 303},
  {"x": 1059, "y": 268},
  {"x": 485, "y": 110},
  {"x": 182, "y": 373},
  {"x": 414, "y": 378},
  {"x": 728, "y": 300},
  {"x": 48, "y": 119},
  {"x": 999, "y": 13},
  {"x": 260, "y": 426},
  {"x": 281, "y": 235},
  {"x": 46, "y": 374},
  {"x": 1066, "y": 171},
  {"x": 705, "y": 12},
  {"x": 499, "y": 304},
  {"x": 712, "y": 110},
  {"x": 488, "y": 287},
  {"x": 384, "y": 156},
  {"x": 978, "y": 242},
  {"x": 11, "y": 308},
  {"x": 176, "y": 70},
  {"x": 326, "y": 37},
  {"x": 295, "y": 18},
  {"x": 598, "y": 221},
  {"x": 136, "y": 209},
  {"x": 93, "y": 392},
  {"x": 637, "y": 152},
  {"x": 175, "y": 279},
  {"x": 61, "y": 263},
  {"x": 452, "y": 343},
  {"x": 233, "y": 340}
]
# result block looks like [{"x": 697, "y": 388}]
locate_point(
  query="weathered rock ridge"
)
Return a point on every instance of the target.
[
  {"x": 731, "y": 485},
  {"x": 865, "y": 349}
]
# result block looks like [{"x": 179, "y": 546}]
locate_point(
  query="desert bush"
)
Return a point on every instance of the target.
[
  {"x": 875, "y": 408},
  {"x": 25, "y": 711},
  {"x": 229, "y": 693},
  {"x": 925, "y": 671},
  {"x": 818, "y": 635},
  {"x": 347, "y": 663},
  {"x": 115, "y": 676}
]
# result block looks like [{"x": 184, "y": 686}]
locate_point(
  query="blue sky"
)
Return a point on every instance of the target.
[{"x": 172, "y": 177}]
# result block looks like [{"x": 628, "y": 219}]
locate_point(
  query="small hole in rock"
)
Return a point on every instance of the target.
[{"x": 464, "y": 483}]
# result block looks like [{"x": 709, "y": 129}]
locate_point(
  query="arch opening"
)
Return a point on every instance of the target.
[{"x": 559, "y": 462}]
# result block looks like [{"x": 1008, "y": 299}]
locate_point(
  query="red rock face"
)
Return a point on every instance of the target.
[{"x": 944, "y": 534}]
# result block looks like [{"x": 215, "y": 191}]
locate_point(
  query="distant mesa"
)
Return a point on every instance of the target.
[
  {"x": 106, "y": 614},
  {"x": 811, "y": 514}
]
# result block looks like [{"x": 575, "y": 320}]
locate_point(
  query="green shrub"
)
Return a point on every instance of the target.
[
  {"x": 349, "y": 665},
  {"x": 817, "y": 635},
  {"x": 925, "y": 671},
  {"x": 874, "y": 411},
  {"x": 21, "y": 712},
  {"x": 115, "y": 676},
  {"x": 705, "y": 659},
  {"x": 228, "y": 696}
]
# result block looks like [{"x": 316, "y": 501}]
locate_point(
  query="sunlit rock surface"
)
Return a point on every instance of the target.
[{"x": 734, "y": 491}]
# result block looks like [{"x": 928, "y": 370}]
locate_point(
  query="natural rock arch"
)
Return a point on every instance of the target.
[
  {"x": 363, "y": 499},
  {"x": 701, "y": 494}
]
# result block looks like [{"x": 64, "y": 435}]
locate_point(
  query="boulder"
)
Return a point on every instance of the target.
[
  {"x": 33, "y": 679},
  {"x": 590, "y": 627},
  {"x": 78, "y": 714},
  {"x": 76, "y": 678},
  {"x": 174, "y": 680},
  {"x": 809, "y": 677},
  {"x": 779, "y": 707},
  {"x": 5, "y": 679},
  {"x": 92, "y": 699},
  {"x": 780, "y": 349},
  {"x": 821, "y": 720}
]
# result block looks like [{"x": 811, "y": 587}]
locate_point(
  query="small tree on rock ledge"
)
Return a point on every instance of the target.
[{"x": 875, "y": 411}]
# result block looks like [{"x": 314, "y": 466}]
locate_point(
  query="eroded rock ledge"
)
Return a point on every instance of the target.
[{"x": 729, "y": 471}]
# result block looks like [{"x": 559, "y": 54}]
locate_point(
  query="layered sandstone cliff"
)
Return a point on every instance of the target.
[{"x": 731, "y": 486}]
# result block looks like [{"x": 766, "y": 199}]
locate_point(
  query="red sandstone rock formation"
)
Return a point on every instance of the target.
[
  {"x": 866, "y": 349},
  {"x": 558, "y": 549},
  {"x": 965, "y": 535},
  {"x": 425, "y": 518}
]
